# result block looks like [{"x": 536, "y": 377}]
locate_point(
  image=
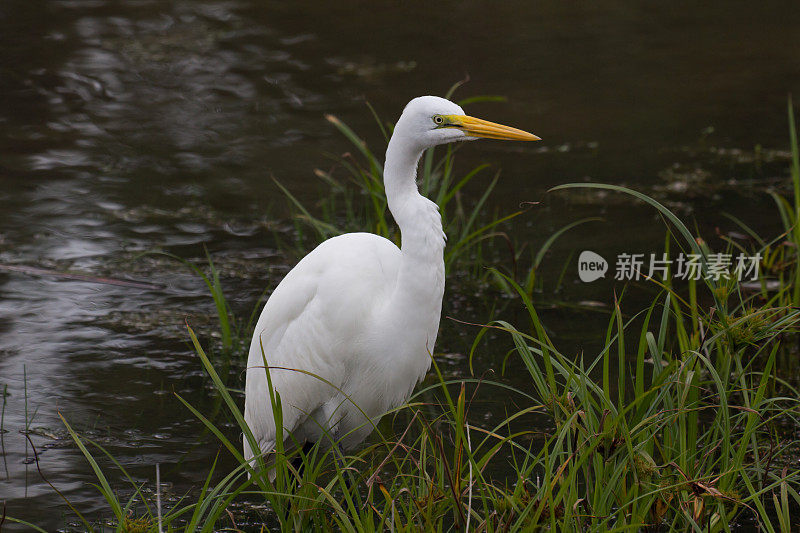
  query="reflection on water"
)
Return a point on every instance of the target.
[{"x": 138, "y": 125}]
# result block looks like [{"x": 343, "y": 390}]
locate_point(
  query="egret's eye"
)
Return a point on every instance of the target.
[{"x": 438, "y": 120}]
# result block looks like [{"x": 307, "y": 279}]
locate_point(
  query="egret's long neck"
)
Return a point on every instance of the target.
[
  {"x": 418, "y": 218},
  {"x": 420, "y": 284}
]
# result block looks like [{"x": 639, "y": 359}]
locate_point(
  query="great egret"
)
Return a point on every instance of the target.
[{"x": 358, "y": 312}]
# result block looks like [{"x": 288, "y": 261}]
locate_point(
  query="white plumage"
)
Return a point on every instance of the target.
[{"x": 358, "y": 311}]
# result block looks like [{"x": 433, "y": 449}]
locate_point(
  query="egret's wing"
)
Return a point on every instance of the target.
[
  {"x": 292, "y": 341},
  {"x": 308, "y": 329}
]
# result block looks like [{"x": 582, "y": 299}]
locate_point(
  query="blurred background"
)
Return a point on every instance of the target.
[{"x": 134, "y": 125}]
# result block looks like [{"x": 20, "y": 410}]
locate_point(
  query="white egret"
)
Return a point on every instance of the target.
[{"x": 359, "y": 312}]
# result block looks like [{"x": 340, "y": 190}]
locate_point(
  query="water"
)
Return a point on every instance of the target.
[{"x": 131, "y": 126}]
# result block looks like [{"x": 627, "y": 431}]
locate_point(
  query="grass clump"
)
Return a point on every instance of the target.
[
  {"x": 681, "y": 421},
  {"x": 670, "y": 432}
]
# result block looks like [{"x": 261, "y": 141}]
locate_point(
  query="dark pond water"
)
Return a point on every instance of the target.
[{"x": 129, "y": 126}]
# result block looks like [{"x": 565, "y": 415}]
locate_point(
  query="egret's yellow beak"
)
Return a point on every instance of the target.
[{"x": 476, "y": 127}]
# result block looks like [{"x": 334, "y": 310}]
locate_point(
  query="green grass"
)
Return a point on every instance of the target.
[
  {"x": 683, "y": 420},
  {"x": 234, "y": 333},
  {"x": 672, "y": 432}
]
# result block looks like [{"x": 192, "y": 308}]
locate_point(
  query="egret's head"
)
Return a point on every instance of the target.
[{"x": 429, "y": 121}]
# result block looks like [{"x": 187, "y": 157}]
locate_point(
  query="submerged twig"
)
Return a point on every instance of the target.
[{"x": 36, "y": 271}]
